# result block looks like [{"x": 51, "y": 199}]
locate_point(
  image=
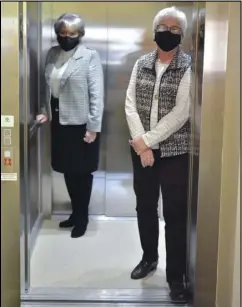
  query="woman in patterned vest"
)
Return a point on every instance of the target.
[{"x": 157, "y": 111}]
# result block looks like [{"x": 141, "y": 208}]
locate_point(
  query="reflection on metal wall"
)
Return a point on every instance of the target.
[
  {"x": 44, "y": 132},
  {"x": 197, "y": 48},
  {"x": 31, "y": 146},
  {"x": 32, "y": 83},
  {"x": 229, "y": 236},
  {"x": 22, "y": 115},
  {"x": 211, "y": 152}
]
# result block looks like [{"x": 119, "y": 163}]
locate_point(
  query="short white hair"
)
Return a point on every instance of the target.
[
  {"x": 74, "y": 21},
  {"x": 172, "y": 12}
]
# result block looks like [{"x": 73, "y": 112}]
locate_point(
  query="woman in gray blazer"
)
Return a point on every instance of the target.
[{"x": 74, "y": 105}]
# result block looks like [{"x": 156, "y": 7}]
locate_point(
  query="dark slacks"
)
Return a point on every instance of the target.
[
  {"x": 79, "y": 188},
  {"x": 171, "y": 176}
]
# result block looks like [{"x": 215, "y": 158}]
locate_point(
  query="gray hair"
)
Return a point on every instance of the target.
[
  {"x": 72, "y": 21},
  {"x": 172, "y": 12}
]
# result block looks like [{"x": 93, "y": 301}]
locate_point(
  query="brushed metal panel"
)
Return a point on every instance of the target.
[
  {"x": 30, "y": 155},
  {"x": 99, "y": 305},
  {"x": 100, "y": 296},
  {"x": 230, "y": 169},
  {"x": 10, "y": 196},
  {"x": 23, "y": 196},
  {"x": 33, "y": 182},
  {"x": 44, "y": 131},
  {"x": 211, "y": 150},
  {"x": 33, "y": 93},
  {"x": 23, "y": 98},
  {"x": 197, "y": 52}
]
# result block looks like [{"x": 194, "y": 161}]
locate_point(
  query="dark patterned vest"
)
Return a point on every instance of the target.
[{"x": 177, "y": 143}]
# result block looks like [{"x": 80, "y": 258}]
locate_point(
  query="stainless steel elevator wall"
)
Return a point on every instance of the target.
[
  {"x": 198, "y": 37},
  {"x": 10, "y": 190},
  {"x": 44, "y": 132},
  {"x": 121, "y": 32},
  {"x": 33, "y": 141},
  {"x": 32, "y": 65},
  {"x": 29, "y": 51}
]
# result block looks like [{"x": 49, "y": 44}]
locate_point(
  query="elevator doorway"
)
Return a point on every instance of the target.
[
  {"x": 206, "y": 232},
  {"x": 113, "y": 188}
]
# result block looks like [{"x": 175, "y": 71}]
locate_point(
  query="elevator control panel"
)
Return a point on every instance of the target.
[{"x": 7, "y": 150}]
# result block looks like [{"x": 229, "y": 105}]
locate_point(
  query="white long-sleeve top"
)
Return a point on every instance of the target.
[
  {"x": 58, "y": 71},
  {"x": 168, "y": 124}
]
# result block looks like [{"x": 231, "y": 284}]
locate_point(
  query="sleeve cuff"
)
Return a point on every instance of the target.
[
  {"x": 149, "y": 139},
  {"x": 44, "y": 111},
  {"x": 92, "y": 128},
  {"x": 146, "y": 140}
]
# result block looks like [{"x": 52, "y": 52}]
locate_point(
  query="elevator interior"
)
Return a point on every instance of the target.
[
  {"x": 120, "y": 36},
  {"x": 213, "y": 116}
]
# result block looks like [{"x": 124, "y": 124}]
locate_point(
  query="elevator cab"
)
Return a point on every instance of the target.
[{"x": 96, "y": 269}]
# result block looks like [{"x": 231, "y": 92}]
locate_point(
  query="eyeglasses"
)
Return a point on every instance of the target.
[
  {"x": 68, "y": 35},
  {"x": 173, "y": 29}
]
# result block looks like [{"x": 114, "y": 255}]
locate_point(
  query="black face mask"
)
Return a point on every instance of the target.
[
  {"x": 67, "y": 43},
  {"x": 167, "y": 41}
]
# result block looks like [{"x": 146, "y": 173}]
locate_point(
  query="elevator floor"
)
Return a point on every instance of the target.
[{"x": 102, "y": 259}]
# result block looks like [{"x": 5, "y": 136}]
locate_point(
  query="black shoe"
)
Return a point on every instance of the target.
[
  {"x": 143, "y": 269},
  {"x": 178, "y": 292},
  {"x": 78, "y": 231},
  {"x": 66, "y": 224}
]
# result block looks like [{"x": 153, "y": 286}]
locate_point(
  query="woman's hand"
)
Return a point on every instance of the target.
[
  {"x": 42, "y": 118},
  {"x": 147, "y": 158},
  {"x": 138, "y": 145},
  {"x": 90, "y": 136}
]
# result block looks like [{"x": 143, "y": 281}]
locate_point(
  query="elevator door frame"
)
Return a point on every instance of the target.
[
  {"x": 98, "y": 295},
  {"x": 29, "y": 131},
  {"x": 117, "y": 295}
]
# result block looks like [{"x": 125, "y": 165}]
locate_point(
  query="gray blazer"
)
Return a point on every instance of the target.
[{"x": 81, "y": 98}]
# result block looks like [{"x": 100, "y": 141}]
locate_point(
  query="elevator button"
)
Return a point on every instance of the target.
[
  {"x": 7, "y": 121},
  {"x": 7, "y": 154},
  {"x": 7, "y": 132}
]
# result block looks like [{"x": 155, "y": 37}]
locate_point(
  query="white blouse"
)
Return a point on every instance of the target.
[
  {"x": 58, "y": 71},
  {"x": 170, "y": 123}
]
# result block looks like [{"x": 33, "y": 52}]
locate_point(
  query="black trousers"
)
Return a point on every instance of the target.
[
  {"x": 79, "y": 187},
  {"x": 171, "y": 175}
]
